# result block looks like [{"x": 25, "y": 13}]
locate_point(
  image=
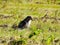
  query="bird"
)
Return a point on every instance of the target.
[{"x": 25, "y": 23}]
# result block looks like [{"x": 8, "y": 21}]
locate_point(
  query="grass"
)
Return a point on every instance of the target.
[{"x": 44, "y": 29}]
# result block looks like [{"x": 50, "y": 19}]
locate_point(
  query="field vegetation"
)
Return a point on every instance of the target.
[{"x": 44, "y": 29}]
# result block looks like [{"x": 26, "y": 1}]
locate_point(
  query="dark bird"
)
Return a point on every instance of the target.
[{"x": 25, "y": 23}]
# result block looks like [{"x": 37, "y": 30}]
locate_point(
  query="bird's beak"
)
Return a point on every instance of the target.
[{"x": 32, "y": 19}]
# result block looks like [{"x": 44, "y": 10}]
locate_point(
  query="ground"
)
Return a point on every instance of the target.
[{"x": 44, "y": 29}]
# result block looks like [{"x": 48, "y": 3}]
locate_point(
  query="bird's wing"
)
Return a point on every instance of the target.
[{"x": 22, "y": 24}]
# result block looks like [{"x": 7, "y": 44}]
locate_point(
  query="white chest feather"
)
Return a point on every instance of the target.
[{"x": 28, "y": 24}]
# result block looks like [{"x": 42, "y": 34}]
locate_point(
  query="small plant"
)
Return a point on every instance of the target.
[{"x": 36, "y": 32}]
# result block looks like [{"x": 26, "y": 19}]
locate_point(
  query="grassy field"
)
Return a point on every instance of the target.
[{"x": 44, "y": 29}]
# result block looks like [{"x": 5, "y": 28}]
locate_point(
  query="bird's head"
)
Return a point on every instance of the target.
[{"x": 29, "y": 17}]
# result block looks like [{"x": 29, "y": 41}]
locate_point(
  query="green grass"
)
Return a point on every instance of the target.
[{"x": 44, "y": 30}]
